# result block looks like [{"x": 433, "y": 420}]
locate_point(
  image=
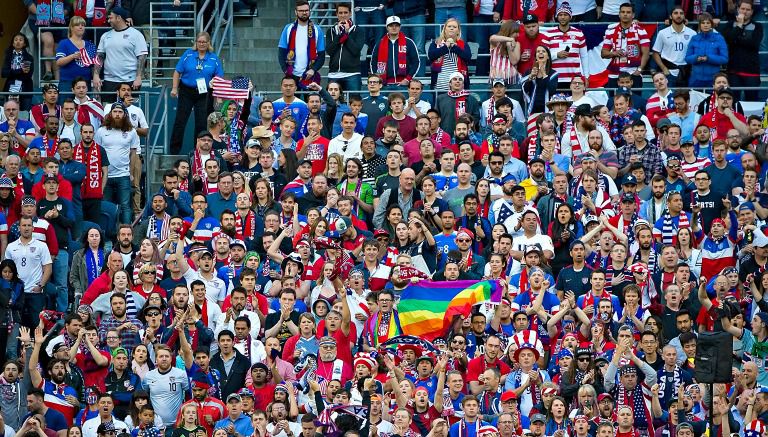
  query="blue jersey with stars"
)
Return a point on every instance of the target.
[{"x": 445, "y": 183}]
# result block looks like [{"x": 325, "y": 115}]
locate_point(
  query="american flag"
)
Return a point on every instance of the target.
[
  {"x": 88, "y": 55},
  {"x": 505, "y": 212},
  {"x": 236, "y": 88}
]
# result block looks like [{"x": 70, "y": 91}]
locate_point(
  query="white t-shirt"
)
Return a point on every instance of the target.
[
  {"x": 167, "y": 391},
  {"x": 121, "y": 49},
  {"x": 118, "y": 145},
  {"x": 30, "y": 259},
  {"x": 672, "y": 45},
  {"x": 91, "y": 425},
  {"x": 347, "y": 148}
]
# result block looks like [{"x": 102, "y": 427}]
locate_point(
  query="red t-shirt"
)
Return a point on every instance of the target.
[
  {"x": 93, "y": 374},
  {"x": 317, "y": 153},
  {"x": 719, "y": 124},
  {"x": 263, "y": 396},
  {"x": 478, "y": 365},
  {"x": 343, "y": 348},
  {"x": 528, "y": 46}
]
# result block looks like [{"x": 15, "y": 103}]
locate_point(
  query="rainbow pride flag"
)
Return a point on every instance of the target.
[{"x": 427, "y": 308}]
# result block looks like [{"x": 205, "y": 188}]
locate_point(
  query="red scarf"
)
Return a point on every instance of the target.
[
  {"x": 94, "y": 188},
  {"x": 99, "y": 11},
  {"x": 576, "y": 149},
  {"x": 383, "y": 56},
  {"x": 311, "y": 47},
  {"x": 50, "y": 152},
  {"x": 461, "y": 101},
  {"x": 245, "y": 228},
  {"x": 460, "y": 64}
]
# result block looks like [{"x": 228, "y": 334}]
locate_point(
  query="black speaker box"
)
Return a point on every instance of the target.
[{"x": 714, "y": 357}]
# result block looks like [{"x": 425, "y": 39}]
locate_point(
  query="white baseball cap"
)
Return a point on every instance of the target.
[{"x": 394, "y": 19}]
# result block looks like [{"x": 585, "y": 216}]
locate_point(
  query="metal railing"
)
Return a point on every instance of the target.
[
  {"x": 324, "y": 13},
  {"x": 160, "y": 119},
  {"x": 92, "y": 34},
  {"x": 214, "y": 17},
  {"x": 169, "y": 25}
]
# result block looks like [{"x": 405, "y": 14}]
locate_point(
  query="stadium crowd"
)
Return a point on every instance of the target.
[{"x": 256, "y": 293}]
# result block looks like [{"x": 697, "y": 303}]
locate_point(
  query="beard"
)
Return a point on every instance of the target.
[{"x": 588, "y": 125}]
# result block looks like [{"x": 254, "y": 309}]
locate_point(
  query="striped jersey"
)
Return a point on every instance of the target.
[
  {"x": 631, "y": 40},
  {"x": 572, "y": 41},
  {"x": 659, "y": 106}
]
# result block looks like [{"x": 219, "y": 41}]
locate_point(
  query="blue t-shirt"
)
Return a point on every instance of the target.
[
  {"x": 444, "y": 244},
  {"x": 191, "y": 68},
  {"x": 75, "y": 68}
]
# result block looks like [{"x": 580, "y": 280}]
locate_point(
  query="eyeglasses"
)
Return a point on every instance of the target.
[
  {"x": 496, "y": 162},
  {"x": 385, "y": 300},
  {"x": 674, "y": 166},
  {"x": 113, "y": 338},
  {"x": 457, "y": 342},
  {"x": 700, "y": 179}
]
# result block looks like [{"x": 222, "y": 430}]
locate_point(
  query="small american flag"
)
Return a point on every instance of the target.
[
  {"x": 236, "y": 88},
  {"x": 88, "y": 55},
  {"x": 505, "y": 212}
]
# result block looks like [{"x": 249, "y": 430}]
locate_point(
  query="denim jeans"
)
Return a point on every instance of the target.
[
  {"x": 442, "y": 14},
  {"x": 416, "y": 33},
  {"x": 118, "y": 191},
  {"x": 373, "y": 34},
  {"x": 57, "y": 289},
  {"x": 481, "y": 35},
  {"x": 349, "y": 83},
  {"x": 12, "y": 347},
  {"x": 34, "y": 303}
]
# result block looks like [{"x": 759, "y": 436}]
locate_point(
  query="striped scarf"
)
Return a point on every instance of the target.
[
  {"x": 576, "y": 148},
  {"x": 668, "y": 230},
  {"x": 651, "y": 259}
]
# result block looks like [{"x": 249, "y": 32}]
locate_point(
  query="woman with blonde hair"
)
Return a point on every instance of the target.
[
  {"x": 6, "y": 140},
  {"x": 448, "y": 53},
  {"x": 187, "y": 424},
  {"x": 68, "y": 57},
  {"x": 193, "y": 73},
  {"x": 334, "y": 169},
  {"x": 505, "y": 54}
]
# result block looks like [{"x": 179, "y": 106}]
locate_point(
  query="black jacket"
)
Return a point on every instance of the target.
[
  {"x": 234, "y": 380},
  {"x": 12, "y": 75},
  {"x": 743, "y": 46},
  {"x": 344, "y": 49}
]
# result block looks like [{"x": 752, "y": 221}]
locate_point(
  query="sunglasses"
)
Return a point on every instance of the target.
[
  {"x": 585, "y": 360},
  {"x": 153, "y": 314},
  {"x": 151, "y": 272},
  {"x": 464, "y": 240}
]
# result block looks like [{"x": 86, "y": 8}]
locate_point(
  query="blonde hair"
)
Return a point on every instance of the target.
[
  {"x": 180, "y": 421},
  {"x": 74, "y": 22},
  {"x": 207, "y": 36},
  {"x": 443, "y": 36},
  {"x": 340, "y": 161}
]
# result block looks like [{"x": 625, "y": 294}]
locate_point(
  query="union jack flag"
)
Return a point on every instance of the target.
[
  {"x": 236, "y": 88},
  {"x": 88, "y": 55}
]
